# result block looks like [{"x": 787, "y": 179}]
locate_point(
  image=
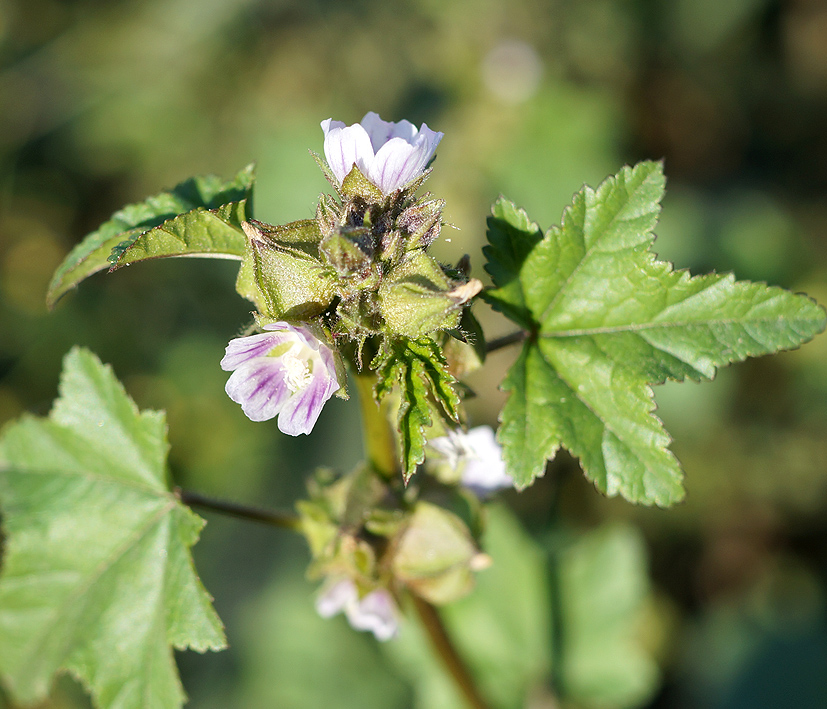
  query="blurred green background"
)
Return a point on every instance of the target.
[{"x": 103, "y": 102}]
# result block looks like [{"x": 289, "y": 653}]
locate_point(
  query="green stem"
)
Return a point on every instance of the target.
[
  {"x": 380, "y": 449},
  {"x": 285, "y": 520},
  {"x": 506, "y": 340},
  {"x": 431, "y": 621},
  {"x": 377, "y": 434}
]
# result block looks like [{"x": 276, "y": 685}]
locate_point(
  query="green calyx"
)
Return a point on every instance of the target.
[{"x": 361, "y": 265}]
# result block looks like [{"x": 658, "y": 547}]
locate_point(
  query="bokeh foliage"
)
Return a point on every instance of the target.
[{"x": 103, "y": 102}]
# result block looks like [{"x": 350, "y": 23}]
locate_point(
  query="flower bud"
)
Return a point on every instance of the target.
[
  {"x": 417, "y": 298},
  {"x": 435, "y": 555},
  {"x": 421, "y": 223},
  {"x": 280, "y": 272},
  {"x": 348, "y": 250}
]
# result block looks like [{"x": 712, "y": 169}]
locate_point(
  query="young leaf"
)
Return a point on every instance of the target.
[
  {"x": 98, "y": 579},
  {"x": 420, "y": 370},
  {"x": 610, "y": 321},
  {"x": 204, "y": 233}
]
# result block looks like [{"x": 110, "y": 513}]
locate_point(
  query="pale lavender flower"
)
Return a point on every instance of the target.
[
  {"x": 375, "y": 612},
  {"x": 477, "y": 456},
  {"x": 335, "y": 597},
  {"x": 389, "y": 154},
  {"x": 286, "y": 372}
]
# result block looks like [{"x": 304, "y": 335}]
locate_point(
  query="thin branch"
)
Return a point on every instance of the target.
[
  {"x": 429, "y": 616},
  {"x": 285, "y": 520},
  {"x": 506, "y": 340}
]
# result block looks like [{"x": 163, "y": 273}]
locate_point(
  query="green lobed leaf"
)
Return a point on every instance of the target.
[
  {"x": 199, "y": 217},
  {"x": 202, "y": 233},
  {"x": 98, "y": 579},
  {"x": 604, "y": 589},
  {"x": 611, "y": 320},
  {"x": 420, "y": 370},
  {"x": 527, "y": 432},
  {"x": 511, "y": 236}
]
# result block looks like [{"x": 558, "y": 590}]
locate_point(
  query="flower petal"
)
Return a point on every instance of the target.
[
  {"x": 395, "y": 164},
  {"x": 244, "y": 349},
  {"x": 389, "y": 154},
  {"x": 260, "y": 387},
  {"x": 450, "y": 448},
  {"x": 345, "y": 147},
  {"x": 398, "y": 162},
  {"x": 302, "y": 334},
  {"x": 485, "y": 469},
  {"x": 381, "y": 132},
  {"x": 376, "y": 612},
  {"x": 301, "y": 411},
  {"x": 477, "y": 456},
  {"x": 429, "y": 140},
  {"x": 335, "y": 597}
]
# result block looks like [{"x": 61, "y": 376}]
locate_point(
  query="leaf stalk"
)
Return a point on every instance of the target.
[
  {"x": 506, "y": 340},
  {"x": 283, "y": 520},
  {"x": 441, "y": 641}
]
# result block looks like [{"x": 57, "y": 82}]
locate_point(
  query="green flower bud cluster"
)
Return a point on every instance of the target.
[
  {"x": 361, "y": 266},
  {"x": 381, "y": 536}
]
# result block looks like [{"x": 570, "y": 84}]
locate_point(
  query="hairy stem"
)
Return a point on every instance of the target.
[
  {"x": 429, "y": 616},
  {"x": 380, "y": 449},
  {"x": 285, "y": 520},
  {"x": 377, "y": 434},
  {"x": 506, "y": 340}
]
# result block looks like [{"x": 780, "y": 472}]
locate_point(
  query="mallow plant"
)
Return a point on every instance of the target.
[{"x": 97, "y": 578}]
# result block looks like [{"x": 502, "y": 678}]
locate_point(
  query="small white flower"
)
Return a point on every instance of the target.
[
  {"x": 376, "y": 612},
  {"x": 477, "y": 456},
  {"x": 389, "y": 154},
  {"x": 286, "y": 372}
]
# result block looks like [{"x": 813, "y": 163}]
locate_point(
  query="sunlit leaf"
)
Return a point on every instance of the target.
[
  {"x": 511, "y": 236},
  {"x": 98, "y": 579},
  {"x": 610, "y": 321},
  {"x": 199, "y": 217}
]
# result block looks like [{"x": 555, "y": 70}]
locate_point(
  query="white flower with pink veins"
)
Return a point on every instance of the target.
[
  {"x": 286, "y": 372},
  {"x": 477, "y": 456},
  {"x": 375, "y": 612},
  {"x": 390, "y": 155}
]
